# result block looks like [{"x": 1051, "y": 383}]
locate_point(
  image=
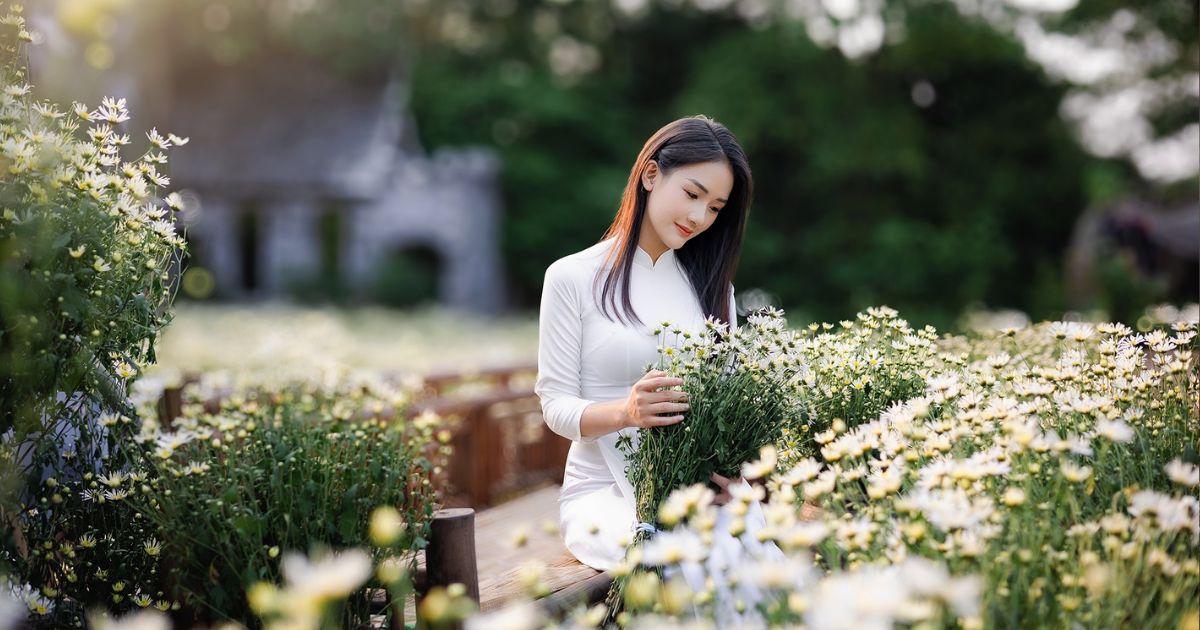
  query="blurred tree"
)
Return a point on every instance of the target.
[
  {"x": 894, "y": 179},
  {"x": 899, "y": 179}
]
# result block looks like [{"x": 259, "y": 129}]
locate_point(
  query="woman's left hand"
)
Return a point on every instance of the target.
[{"x": 723, "y": 497}]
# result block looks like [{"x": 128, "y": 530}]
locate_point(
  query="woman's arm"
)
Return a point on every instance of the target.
[
  {"x": 602, "y": 418},
  {"x": 559, "y": 384},
  {"x": 641, "y": 409},
  {"x": 560, "y": 329}
]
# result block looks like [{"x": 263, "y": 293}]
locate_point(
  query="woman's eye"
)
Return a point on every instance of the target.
[
  {"x": 715, "y": 209},
  {"x": 691, "y": 194}
]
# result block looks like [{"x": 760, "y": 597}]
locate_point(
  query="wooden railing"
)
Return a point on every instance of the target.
[{"x": 502, "y": 446}]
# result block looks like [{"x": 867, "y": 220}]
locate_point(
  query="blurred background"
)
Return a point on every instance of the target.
[{"x": 941, "y": 157}]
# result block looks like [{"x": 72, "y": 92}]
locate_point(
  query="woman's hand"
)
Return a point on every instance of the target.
[
  {"x": 645, "y": 401},
  {"x": 723, "y": 496}
]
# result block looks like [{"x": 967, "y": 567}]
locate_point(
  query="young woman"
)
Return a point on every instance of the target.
[{"x": 669, "y": 255}]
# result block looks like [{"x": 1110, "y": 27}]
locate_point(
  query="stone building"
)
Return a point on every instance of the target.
[{"x": 283, "y": 152}]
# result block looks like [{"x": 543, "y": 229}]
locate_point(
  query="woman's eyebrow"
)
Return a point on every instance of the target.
[{"x": 704, "y": 189}]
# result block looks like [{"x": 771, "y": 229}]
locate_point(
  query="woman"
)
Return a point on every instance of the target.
[{"x": 669, "y": 255}]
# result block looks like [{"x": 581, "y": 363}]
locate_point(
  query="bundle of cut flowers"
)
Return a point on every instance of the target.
[{"x": 742, "y": 387}]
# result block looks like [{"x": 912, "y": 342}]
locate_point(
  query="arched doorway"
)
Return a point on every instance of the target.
[{"x": 408, "y": 275}]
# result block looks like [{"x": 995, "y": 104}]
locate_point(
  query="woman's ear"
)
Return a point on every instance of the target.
[{"x": 650, "y": 175}]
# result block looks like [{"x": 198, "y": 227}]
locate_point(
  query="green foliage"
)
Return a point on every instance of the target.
[
  {"x": 86, "y": 249},
  {"x": 272, "y": 470},
  {"x": 215, "y": 503},
  {"x": 1123, "y": 293},
  {"x": 563, "y": 151},
  {"x": 1035, "y": 459},
  {"x": 862, "y": 196},
  {"x": 1044, "y": 476},
  {"x": 87, "y": 246},
  {"x": 354, "y": 36},
  {"x": 88, "y": 547},
  {"x": 742, "y": 389}
]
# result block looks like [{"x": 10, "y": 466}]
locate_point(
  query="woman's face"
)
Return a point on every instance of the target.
[{"x": 686, "y": 201}]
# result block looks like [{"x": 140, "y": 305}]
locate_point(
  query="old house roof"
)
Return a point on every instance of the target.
[{"x": 286, "y": 125}]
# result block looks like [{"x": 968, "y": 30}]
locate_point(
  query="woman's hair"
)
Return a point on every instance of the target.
[{"x": 710, "y": 258}]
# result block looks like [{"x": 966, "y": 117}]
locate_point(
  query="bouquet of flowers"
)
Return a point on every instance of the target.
[{"x": 743, "y": 386}]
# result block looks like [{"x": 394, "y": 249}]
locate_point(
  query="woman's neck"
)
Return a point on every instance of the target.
[{"x": 651, "y": 243}]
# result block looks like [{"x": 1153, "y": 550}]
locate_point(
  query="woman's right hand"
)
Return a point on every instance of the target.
[{"x": 645, "y": 402}]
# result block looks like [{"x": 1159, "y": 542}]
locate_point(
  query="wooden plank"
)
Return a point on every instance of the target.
[
  {"x": 587, "y": 591},
  {"x": 500, "y": 560}
]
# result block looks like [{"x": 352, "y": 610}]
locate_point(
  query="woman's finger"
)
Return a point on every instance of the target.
[
  {"x": 652, "y": 374},
  {"x": 666, "y": 396},
  {"x": 651, "y": 384},
  {"x": 666, "y": 407}
]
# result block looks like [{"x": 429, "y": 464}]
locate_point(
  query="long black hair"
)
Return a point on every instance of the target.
[{"x": 710, "y": 258}]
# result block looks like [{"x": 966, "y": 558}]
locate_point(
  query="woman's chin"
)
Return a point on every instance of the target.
[{"x": 674, "y": 241}]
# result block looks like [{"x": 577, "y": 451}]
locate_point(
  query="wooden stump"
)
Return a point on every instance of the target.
[{"x": 450, "y": 558}]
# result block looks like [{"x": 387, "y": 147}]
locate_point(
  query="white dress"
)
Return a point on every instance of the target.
[{"x": 583, "y": 358}]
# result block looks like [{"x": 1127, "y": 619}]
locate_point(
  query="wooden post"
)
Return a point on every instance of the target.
[
  {"x": 450, "y": 557},
  {"x": 170, "y": 405},
  {"x": 484, "y": 455}
]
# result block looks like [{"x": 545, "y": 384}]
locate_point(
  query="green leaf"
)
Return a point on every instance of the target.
[
  {"x": 247, "y": 525},
  {"x": 348, "y": 526},
  {"x": 62, "y": 239}
]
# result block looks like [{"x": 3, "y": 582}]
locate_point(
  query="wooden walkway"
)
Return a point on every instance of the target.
[{"x": 500, "y": 560}]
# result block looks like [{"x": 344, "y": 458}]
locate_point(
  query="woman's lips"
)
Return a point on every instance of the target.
[{"x": 682, "y": 230}]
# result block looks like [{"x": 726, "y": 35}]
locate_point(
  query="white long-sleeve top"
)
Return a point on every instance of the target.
[{"x": 583, "y": 357}]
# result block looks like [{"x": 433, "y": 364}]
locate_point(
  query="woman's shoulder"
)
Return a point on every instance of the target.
[{"x": 581, "y": 265}]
